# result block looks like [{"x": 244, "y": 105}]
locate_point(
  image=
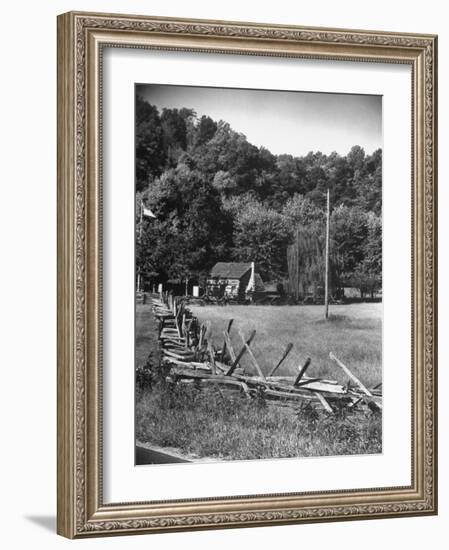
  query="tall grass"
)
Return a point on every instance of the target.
[
  {"x": 209, "y": 423},
  {"x": 146, "y": 344},
  {"x": 353, "y": 333},
  {"x": 223, "y": 425}
]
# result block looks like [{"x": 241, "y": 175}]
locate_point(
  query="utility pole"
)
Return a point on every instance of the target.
[
  {"x": 140, "y": 241},
  {"x": 326, "y": 275}
]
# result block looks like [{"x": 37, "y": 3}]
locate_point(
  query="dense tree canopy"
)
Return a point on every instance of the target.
[{"x": 217, "y": 197}]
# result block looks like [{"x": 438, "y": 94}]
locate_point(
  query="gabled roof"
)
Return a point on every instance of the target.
[
  {"x": 258, "y": 283},
  {"x": 230, "y": 270}
]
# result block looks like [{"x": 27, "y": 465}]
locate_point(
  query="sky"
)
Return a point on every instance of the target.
[{"x": 282, "y": 121}]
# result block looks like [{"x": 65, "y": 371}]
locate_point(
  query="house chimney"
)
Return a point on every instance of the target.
[{"x": 252, "y": 279}]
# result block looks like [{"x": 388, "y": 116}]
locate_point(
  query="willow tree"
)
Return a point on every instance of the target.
[
  {"x": 305, "y": 258},
  {"x": 306, "y": 253}
]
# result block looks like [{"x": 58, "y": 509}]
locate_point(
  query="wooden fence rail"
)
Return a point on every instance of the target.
[{"x": 188, "y": 352}]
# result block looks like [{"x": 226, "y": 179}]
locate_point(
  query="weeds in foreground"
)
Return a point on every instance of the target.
[{"x": 219, "y": 424}]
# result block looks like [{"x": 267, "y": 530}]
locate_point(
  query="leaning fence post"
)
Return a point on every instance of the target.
[
  {"x": 302, "y": 371},
  {"x": 252, "y": 356},
  {"x": 324, "y": 402},
  {"x": 228, "y": 330},
  {"x": 284, "y": 356},
  {"x": 352, "y": 376},
  {"x": 241, "y": 352},
  {"x": 212, "y": 357},
  {"x": 229, "y": 346},
  {"x": 355, "y": 403}
]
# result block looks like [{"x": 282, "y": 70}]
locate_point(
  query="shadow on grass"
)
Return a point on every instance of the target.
[
  {"x": 345, "y": 322},
  {"x": 336, "y": 319}
]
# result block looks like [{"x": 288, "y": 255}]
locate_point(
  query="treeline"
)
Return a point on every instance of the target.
[{"x": 218, "y": 197}]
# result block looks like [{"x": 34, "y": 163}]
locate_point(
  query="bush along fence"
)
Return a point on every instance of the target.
[{"x": 188, "y": 357}]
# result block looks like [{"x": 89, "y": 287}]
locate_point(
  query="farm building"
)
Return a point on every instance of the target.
[{"x": 234, "y": 280}]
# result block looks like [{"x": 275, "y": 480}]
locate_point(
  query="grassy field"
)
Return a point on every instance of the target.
[
  {"x": 146, "y": 334},
  {"x": 218, "y": 425},
  {"x": 208, "y": 423},
  {"x": 353, "y": 333}
]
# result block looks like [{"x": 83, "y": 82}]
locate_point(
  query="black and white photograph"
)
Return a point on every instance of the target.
[{"x": 258, "y": 274}]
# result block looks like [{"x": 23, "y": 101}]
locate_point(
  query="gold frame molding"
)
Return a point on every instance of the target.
[{"x": 81, "y": 37}]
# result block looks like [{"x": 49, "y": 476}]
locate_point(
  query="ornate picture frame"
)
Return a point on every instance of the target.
[{"x": 82, "y": 39}]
